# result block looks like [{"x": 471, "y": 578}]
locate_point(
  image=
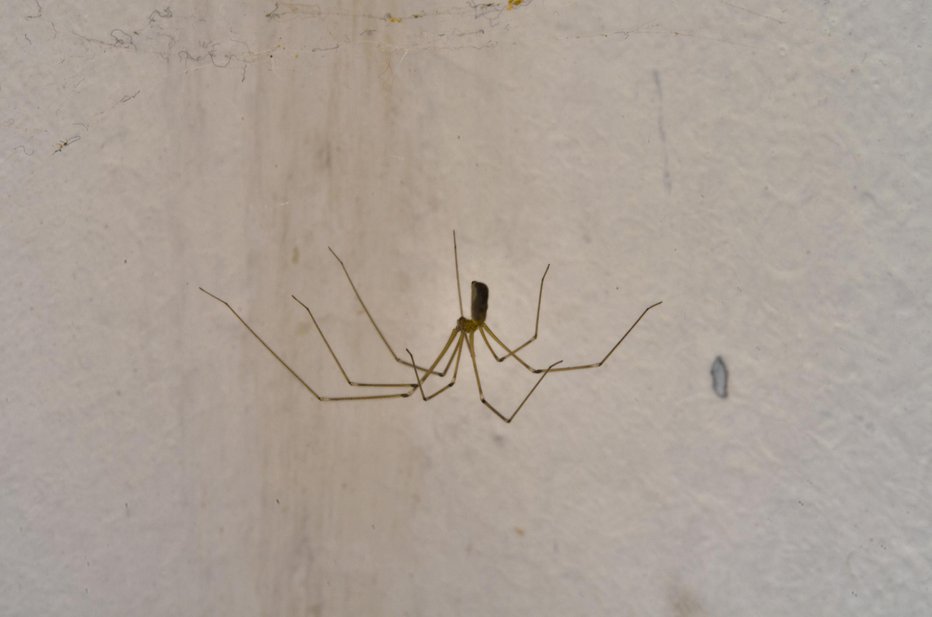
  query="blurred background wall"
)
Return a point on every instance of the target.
[{"x": 761, "y": 167}]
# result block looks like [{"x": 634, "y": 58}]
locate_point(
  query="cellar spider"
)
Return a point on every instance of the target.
[{"x": 462, "y": 335}]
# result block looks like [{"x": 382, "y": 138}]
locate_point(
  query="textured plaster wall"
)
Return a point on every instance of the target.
[{"x": 761, "y": 167}]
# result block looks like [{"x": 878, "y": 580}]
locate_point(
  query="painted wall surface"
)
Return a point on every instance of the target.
[{"x": 761, "y": 167}]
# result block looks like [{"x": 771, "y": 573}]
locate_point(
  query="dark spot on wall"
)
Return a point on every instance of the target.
[{"x": 720, "y": 377}]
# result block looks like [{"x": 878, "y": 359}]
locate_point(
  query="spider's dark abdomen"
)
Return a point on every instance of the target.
[{"x": 480, "y": 301}]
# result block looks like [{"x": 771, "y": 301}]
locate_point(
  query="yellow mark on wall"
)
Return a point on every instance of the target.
[
  {"x": 391, "y": 19},
  {"x": 513, "y": 3}
]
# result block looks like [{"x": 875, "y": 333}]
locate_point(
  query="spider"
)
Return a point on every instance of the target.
[{"x": 462, "y": 335}]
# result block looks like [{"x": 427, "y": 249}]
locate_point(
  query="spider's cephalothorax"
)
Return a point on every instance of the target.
[
  {"x": 478, "y": 310},
  {"x": 462, "y": 337}
]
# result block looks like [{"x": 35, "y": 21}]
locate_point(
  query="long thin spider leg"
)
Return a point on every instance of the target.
[
  {"x": 340, "y": 365},
  {"x": 292, "y": 371},
  {"x": 486, "y": 329},
  {"x": 429, "y": 372},
  {"x": 458, "y": 351},
  {"x": 540, "y": 295},
  {"x": 475, "y": 368},
  {"x": 369, "y": 315},
  {"x": 456, "y": 261}
]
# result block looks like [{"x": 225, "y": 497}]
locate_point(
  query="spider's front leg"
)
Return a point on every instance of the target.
[
  {"x": 512, "y": 353},
  {"x": 298, "y": 377},
  {"x": 540, "y": 296},
  {"x": 507, "y": 420},
  {"x": 340, "y": 364},
  {"x": 372, "y": 319}
]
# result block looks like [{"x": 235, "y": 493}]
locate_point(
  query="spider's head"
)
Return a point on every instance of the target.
[{"x": 480, "y": 301}]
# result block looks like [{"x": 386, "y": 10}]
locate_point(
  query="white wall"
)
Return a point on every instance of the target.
[{"x": 761, "y": 167}]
